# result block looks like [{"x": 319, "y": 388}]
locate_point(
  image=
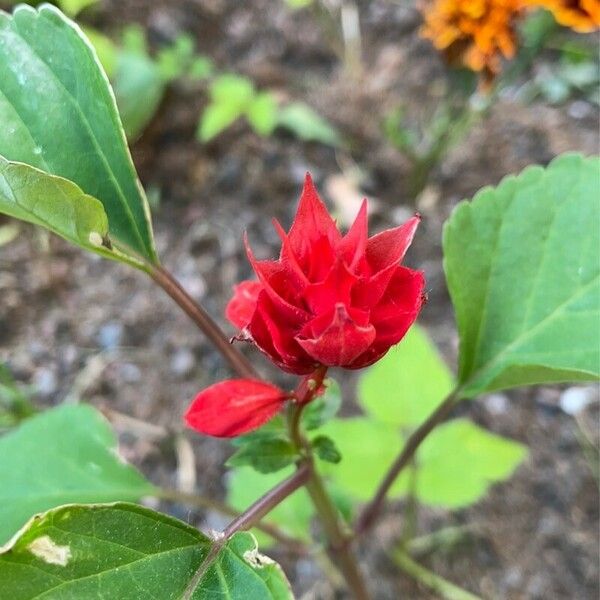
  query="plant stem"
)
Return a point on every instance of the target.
[
  {"x": 199, "y": 501},
  {"x": 203, "y": 320},
  {"x": 338, "y": 537},
  {"x": 270, "y": 500},
  {"x": 248, "y": 519},
  {"x": 438, "y": 584},
  {"x": 371, "y": 511}
]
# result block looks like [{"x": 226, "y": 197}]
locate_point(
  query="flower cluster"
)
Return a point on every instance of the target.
[
  {"x": 329, "y": 300},
  {"x": 476, "y": 34},
  {"x": 581, "y": 15},
  {"x": 479, "y": 34}
]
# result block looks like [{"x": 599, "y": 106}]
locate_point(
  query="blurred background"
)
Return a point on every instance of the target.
[{"x": 227, "y": 104}]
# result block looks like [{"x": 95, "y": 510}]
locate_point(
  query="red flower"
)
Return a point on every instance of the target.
[
  {"x": 329, "y": 300},
  {"x": 234, "y": 407}
]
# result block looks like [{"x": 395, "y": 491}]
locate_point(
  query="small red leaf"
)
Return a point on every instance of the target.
[{"x": 234, "y": 407}]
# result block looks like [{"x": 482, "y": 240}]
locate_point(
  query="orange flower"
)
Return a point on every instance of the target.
[
  {"x": 580, "y": 15},
  {"x": 473, "y": 33}
]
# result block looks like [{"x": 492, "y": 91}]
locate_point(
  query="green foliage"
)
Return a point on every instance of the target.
[
  {"x": 367, "y": 447},
  {"x": 523, "y": 269},
  {"x": 326, "y": 449},
  {"x": 58, "y": 114},
  {"x": 15, "y": 405},
  {"x": 57, "y": 204},
  {"x": 323, "y": 408},
  {"x": 298, "y": 4},
  {"x": 66, "y": 454},
  {"x": 139, "y": 89},
  {"x": 233, "y": 97},
  {"x": 266, "y": 454},
  {"x": 459, "y": 461},
  {"x": 407, "y": 384},
  {"x": 126, "y": 551},
  {"x": 74, "y": 7},
  {"x": 456, "y": 463},
  {"x": 301, "y": 120},
  {"x": 293, "y": 515}
]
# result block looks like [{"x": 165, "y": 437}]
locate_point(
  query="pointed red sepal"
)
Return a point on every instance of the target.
[{"x": 234, "y": 407}]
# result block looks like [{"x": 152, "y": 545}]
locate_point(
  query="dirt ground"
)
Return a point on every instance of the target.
[{"x": 71, "y": 321}]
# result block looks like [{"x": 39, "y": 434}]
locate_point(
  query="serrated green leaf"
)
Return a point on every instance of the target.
[
  {"x": 293, "y": 515},
  {"x": 523, "y": 269},
  {"x": 58, "y": 114},
  {"x": 262, "y": 113},
  {"x": 307, "y": 125},
  {"x": 267, "y": 454},
  {"x": 128, "y": 552},
  {"x": 66, "y": 454},
  {"x": 326, "y": 449},
  {"x": 459, "y": 461},
  {"x": 367, "y": 448},
  {"x": 455, "y": 464},
  {"x": 324, "y": 407},
  {"x": 58, "y": 205},
  {"x": 407, "y": 384}
]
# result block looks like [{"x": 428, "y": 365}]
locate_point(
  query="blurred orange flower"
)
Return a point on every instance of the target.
[
  {"x": 580, "y": 15},
  {"x": 473, "y": 33}
]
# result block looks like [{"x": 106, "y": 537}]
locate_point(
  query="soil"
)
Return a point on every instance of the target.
[{"x": 73, "y": 324}]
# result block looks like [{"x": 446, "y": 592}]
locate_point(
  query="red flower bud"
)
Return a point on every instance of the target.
[
  {"x": 329, "y": 299},
  {"x": 234, "y": 407}
]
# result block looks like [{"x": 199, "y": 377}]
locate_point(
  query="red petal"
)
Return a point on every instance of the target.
[
  {"x": 311, "y": 222},
  {"x": 274, "y": 336},
  {"x": 234, "y": 407},
  {"x": 279, "y": 283},
  {"x": 241, "y": 307},
  {"x": 353, "y": 245},
  {"x": 340, "y": 340},
  {"x": 335, "y": 288},
  {"x": 389, "y": 247},
  {"x": 394, "y": 315}
]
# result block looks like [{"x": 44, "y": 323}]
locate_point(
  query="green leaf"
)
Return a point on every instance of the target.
[
  {"x": 67, "y": 454},
  {"x": 265, "y": 454},
  {"x": 15, "y": 404},
  {"x": 307, "y": 125},
  {"x": 293, "y": 515},
  {"x": 326, "y": 449},
  {"x": 128, "y": 552},
  {"x": 57, "y": 204},
  {"x": 456, "y": 464},
  {"x": 459, "y": 461},
  {"x": 58, "y": 114},
  {"x": 262, "y": 113},
  {"x": 407, "y": 384},
  {"x": 74, "y": 7},
  {"x": 324, "y": 407},
  {"x": 523, "y": 269},
  {"x": 367, "y": 448},
  {"x": 106, "y": 49},
  {"x": 139, "y": 89},
  {"x": 230, "y": 97}
]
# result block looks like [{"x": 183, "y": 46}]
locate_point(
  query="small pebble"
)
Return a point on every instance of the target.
[
  {"x": 183, "y": 362},
  {"x": 573, "y": 400},
  {"x": 497, "y": 404},
  {"x": 45, "y": 382},
  {"x": 110, "y": 335}
]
